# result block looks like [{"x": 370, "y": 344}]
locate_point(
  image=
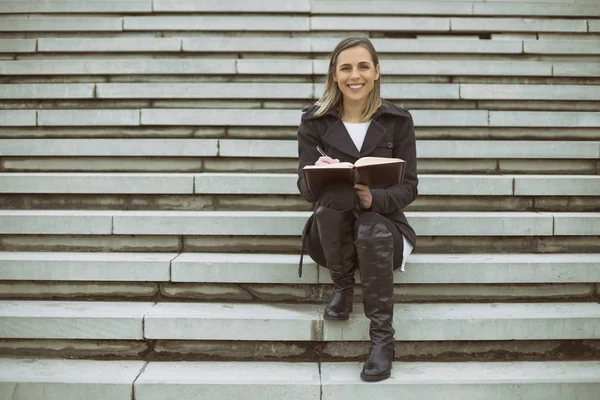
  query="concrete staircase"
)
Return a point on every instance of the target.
[{"x": 150, "y": 222}]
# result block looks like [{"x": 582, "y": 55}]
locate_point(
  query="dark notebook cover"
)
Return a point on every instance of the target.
[{"x": 374, "y": 173}]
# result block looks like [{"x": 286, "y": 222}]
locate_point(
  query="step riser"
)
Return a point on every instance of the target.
[
  {"x": 221, "y": 202},
  {"x": 295, "y": 104},
  {"x": 290, "y": 245},
  {"x": 249, "y": 293},
  {"x": 173, "y": 350},
  {"x": 289, "y": 133}
]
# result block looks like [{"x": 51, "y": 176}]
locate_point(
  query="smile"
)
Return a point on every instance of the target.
[{"x": 356, "y": 86}]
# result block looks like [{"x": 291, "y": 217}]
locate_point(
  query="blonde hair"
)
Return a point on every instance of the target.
[{"x": 332, "y": 96}]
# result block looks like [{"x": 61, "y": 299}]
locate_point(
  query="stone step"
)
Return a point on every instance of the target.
[
  {"x": 283, "y": 67},
  {"x": 63, "y": 266},
  {"x": 73, "y": 320},
  {"x": 471, "y": 380},
  {"x": 53, "y": 379},
  {"x": 263, "y": 183},
  {"x": 224, "y": 380},
  {"x": 293, "y": 322},
  {"x": 76, "y": 6},
  {"x": 304, "y": 91},
  {"x": 220, "y": 44},
  {"x": 571, "y": 47},
  {"x": 177, "y": 165},
  {"x": 43, "y": 23},
  {"x": 216, "y": 23},
  {"x": 151, "y": 6},
  {"x": 282, "y": 268},
  {"x": 259, "y": 148},
  {"x": 17, "y": 45},
  {"x": 436, "y": 7},
  {"x": 231, "y": 6},
  {"x": 206, "y": 23},
  {"x": 269, "y": 223},
  {"x": 440, "y": 24},
  {"x": 224, "y": 44},
  {"x": 466, "y": 8}
]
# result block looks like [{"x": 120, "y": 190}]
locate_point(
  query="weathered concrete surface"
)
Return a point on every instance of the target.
[
  {"x": 24, "y": 379},
  {"x": 75, "y": 6},
  {"x": 248, "y": 380},
  {"x": 495, "y": 321},
  {"x": 241, "y": 268},
  {"x": 205, "y": 292},
  {"x": 233, "y": 350},
  {"x": 531, "y": 380},
  {"x": 224, "y": 321},
  {"x": 74, "y": 348},
  {"x": 122, "y": 44},
  {"x": 108, "y": 291},
  {"x": 71, "y": 320},
  {"x": 85, "y": 266},
  {"x": 76, "y": 243}
]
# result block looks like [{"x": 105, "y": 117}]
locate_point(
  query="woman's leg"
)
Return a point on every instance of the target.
[
  {"x": 379, "y": 250},
  {"x": 331, "y": 240}
]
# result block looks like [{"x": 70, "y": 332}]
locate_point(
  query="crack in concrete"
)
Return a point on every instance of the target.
[
  {"x": 13, "y": 395},
  {"x": 320, "y": 381},
  {"x": 136, "y": 378}
]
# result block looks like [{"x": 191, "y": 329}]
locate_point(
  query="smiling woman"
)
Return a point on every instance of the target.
[
  {"x": 356, "y": 226},
  {"x": 352, "y": 80}
]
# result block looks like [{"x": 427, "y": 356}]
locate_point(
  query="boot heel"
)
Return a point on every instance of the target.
[{"x": 340, "y": 306}]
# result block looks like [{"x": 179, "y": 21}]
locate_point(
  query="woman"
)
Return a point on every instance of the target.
[{"x": 357, "y": 226}]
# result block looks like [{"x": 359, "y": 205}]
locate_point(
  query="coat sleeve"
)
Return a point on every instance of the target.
[
  {"x": 397, "y": 197},
  {"x": 308, "y": 155}
]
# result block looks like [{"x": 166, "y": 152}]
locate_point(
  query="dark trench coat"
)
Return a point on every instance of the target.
[{"x": 391, "y": 134}]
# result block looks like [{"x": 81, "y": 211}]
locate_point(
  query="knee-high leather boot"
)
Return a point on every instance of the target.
[
  {"x": 336, "y": 230},
  {"x": 374, "y": 247}
]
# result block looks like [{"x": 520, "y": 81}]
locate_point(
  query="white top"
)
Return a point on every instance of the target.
[
  {"x": 408, "y": 248},
  {"x": 357, "y": 132}
]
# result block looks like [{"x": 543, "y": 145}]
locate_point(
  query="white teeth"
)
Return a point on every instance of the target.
[{"x": 355, "y": 86}]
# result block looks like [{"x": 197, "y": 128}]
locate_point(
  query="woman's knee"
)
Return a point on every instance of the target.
[
  {"x": 369, "y": 225},
  {"x": 338, "y": 196}
]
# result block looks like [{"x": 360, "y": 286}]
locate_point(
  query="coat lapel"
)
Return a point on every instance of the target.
[
  {"x": 374, "y": 135},
  {"x": 337, "y": 137}
]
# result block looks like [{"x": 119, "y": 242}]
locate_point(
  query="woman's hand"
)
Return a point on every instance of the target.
[
  {"x": 364, "y": 196},
  {"x": 326, "y": 160}
]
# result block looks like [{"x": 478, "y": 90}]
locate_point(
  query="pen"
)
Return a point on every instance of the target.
[{"x": 320, "y": 150}]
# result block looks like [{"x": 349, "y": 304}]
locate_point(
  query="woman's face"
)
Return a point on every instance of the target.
[{"x": 356, "y": 74}]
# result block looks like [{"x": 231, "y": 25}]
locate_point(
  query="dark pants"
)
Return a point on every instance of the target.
[{"x": 342, "y": 197}]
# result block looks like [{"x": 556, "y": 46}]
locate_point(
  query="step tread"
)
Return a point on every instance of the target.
[
  {"x": 296, "y": 322},
  {"x": 268, "y": 223},
  {"x": 260, "y": 148},
  {"x": 78, "y": 266},
  {"x": 404, "y": 67},
  {"x": 57, "y": 379},
  {"x": 275, "y": 183},
  {"x": 282, "y": 268},
  {"x": 234, "y": 90},
  {"x": 297, "y": 45},
  {"x": 409, "y": 373},
  {"x": 216, "y": 44},
  {"x": 72, "y": 320},
  {"x": 25, "y": 370}
]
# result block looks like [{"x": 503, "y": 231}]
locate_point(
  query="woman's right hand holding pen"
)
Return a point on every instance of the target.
[{"x": 325, "y": 159}]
